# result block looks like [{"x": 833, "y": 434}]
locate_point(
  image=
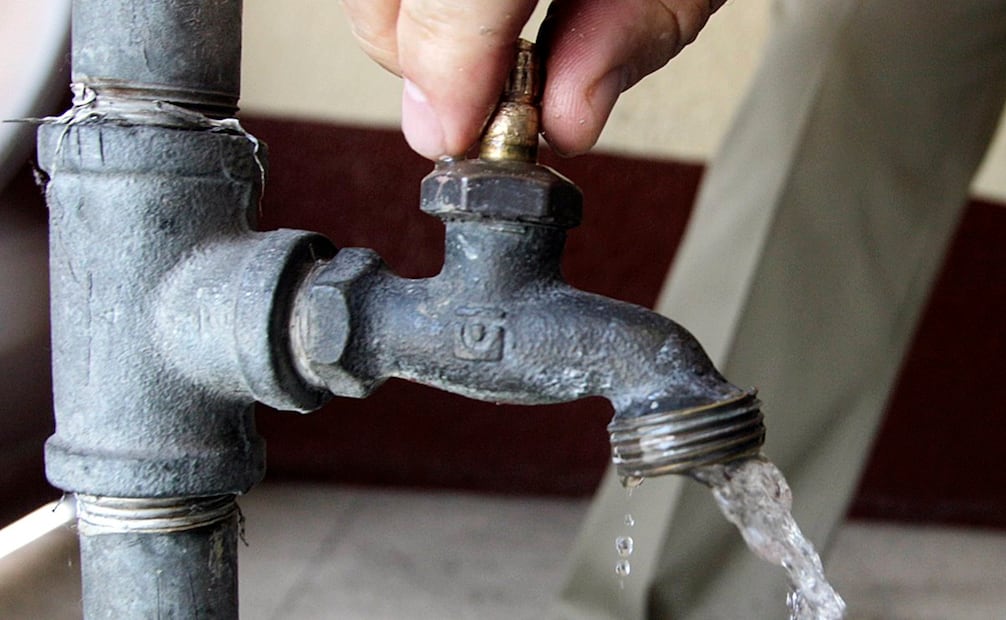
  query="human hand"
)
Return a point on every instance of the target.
[{"x": 454, "y": 56}]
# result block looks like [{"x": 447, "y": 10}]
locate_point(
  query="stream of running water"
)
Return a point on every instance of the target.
[{"x": 753, "y": 495}]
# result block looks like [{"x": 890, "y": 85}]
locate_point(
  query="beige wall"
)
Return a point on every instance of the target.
[{"x": 300, "y": 60}]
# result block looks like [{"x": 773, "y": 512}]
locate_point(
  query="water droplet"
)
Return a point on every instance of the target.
[
  {"x": 631, "y": 482},
  {"x": 623, "y": 568},
  {"x": 629, "y": 521},
  {"x": 623, "y": 545}
]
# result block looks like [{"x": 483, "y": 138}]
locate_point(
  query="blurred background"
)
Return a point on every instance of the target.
[{"x": 339, "y": 165}]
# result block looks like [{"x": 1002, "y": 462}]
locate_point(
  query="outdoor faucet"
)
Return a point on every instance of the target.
[
  {"x": 500, "y": 324},
  {"x": 172, "y": 315}
]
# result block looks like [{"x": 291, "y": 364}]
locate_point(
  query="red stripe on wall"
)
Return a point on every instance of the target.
[{"x": 940, "y": 453}]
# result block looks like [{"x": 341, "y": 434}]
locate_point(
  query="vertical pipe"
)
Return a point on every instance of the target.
[
  {"x": 186, "y": 52},
  {"x": 154, "y": 451},
  {"x": 163, "y": 559},
  {"x": 129, "y": 208}
]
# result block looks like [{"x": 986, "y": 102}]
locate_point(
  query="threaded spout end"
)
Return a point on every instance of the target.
[{"x": 677, "y": 441}]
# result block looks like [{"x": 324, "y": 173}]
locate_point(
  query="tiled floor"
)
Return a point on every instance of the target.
[
  {"x": 348, "y": 553},
  {"x": 386, "y": 554}
]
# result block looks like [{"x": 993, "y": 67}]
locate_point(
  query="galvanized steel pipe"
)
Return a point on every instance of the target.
[{"x": 169, "y": 314}]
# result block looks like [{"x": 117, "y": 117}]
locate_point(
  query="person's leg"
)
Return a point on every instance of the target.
[
  {"x": 818, "y": 231},
  {"x": 872, "y": 190}
]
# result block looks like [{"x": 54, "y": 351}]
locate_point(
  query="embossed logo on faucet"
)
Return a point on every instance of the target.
[{"x": 479, "y": 334}]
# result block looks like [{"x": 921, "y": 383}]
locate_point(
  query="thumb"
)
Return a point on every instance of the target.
[{"x": 454, "y": 56}]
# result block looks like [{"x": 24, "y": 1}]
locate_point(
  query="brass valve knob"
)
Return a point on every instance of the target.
[{"x": 512, "y": 132}]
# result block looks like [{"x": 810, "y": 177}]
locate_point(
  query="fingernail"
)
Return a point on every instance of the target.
[{"x": 420, "y": 124}]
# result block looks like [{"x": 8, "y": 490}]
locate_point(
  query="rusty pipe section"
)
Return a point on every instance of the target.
[
  {"x": 169, "y": 312},
  {"x": 180, "y": 52},
  {"x": 169, "y": 321}
]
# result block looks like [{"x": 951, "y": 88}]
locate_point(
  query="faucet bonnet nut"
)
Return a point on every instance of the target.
[
  {"x": 322, "y": 326},
  {"x": 509, "y": 191}
]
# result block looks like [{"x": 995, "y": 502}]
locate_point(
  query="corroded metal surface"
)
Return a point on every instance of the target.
[{"x": 500, "y": 324}]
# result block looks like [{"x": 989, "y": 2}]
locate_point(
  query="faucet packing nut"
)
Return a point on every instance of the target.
[{"x": 509, "y": 191}]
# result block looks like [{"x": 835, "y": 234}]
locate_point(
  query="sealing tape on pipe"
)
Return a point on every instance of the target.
[
  {"x": 89, "y": 107},
  {"x": 118, "y": 515}
]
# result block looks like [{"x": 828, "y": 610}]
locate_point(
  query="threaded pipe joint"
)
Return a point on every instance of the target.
[{"x": 676, "y": 441}]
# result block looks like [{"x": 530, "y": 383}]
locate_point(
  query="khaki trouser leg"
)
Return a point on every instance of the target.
[{"x": 816, "y": 237}]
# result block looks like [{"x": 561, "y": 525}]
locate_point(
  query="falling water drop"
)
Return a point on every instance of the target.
[
  {"x": 623, "y": 568},
  {"x": 629, "y": 483},
  {"x": 623, "y": 545}
]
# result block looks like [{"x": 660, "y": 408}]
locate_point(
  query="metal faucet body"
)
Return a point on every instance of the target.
[{"x": 500, "y": 324}]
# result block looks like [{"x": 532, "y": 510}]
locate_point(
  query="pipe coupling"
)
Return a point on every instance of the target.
[{"x": 143, "y": 515}]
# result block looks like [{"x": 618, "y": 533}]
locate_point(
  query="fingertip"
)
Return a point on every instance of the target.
[
  {"x": 458, "y": 52},
  {"x": 436, "y": 131},
  {"x": 420, "y": 123},
  {"x": 596, "y": 50},
  {"x": 573, "y": 118}
]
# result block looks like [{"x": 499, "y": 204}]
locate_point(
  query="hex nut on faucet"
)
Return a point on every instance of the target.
[
  {"x": 322, "y": 324},
  {"x": 509, "y": 191}
]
